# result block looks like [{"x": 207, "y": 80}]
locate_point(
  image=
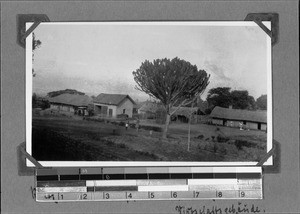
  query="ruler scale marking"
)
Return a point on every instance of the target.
[{"x": 154, "y": 183}]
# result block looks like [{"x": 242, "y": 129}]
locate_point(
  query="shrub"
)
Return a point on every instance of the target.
[
  {"x": 243, "y": 143},
  {"x": 215, "y": 148},
  {"x": 200, "y": 136},
  {"x": 153, "y": 128},
  {"x": 109, "y": 143},
  {"x": 122, "y": 145},
  {"x": 222, "y": 139},
  {"x": 223, "y": 150}
]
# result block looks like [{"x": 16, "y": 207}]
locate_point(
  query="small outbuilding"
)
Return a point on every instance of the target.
[
  {"x": 237, "y": 118},
  {"x": 183, "y": 114},
  {"x": 112, "y": 105}
]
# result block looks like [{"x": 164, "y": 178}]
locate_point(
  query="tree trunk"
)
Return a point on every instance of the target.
[
  {"x": 189, "y": 131},
  {"x": 166, "y": 126},
  {"x": 189, "y": 134}
]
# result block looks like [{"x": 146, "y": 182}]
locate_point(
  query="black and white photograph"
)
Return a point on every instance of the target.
[{"x": 149, "y": 93}]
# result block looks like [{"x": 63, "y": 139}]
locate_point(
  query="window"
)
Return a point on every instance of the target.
[{"x": 124, "y": 111}]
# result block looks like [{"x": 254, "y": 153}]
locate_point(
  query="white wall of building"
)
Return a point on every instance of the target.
[
  {"x": 263, "y": 127},
  {"x": 62, "y": 107},
  {"x": 126, "y": 107},
  {"x": 251, "y": 125},
  {"x": 112, "y": 107},
  {"x": 234, "y": 123},
  {"x": 217, "y": 121}
]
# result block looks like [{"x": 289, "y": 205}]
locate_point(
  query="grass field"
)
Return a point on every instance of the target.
[{"x": 59, "y": 138}]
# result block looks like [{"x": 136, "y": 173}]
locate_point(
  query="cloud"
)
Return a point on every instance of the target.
[
  {"x": 42, "y": 84},
  {"x": 218, "y": 78},
  {"x": 218, "y": 71}
]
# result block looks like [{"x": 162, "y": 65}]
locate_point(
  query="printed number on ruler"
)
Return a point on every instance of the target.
[
  {"x": 151, "y": 195},
  {"x": 84, "y": 196},
  {"x": 129, "y": 195},
  {"x": 60, "y": 196},
  {"x": 242, "y": 194},
  {"x": 106, "y": 195},
  {"x": 219, "y": 194},
  {"x": 174, "y": 194}
]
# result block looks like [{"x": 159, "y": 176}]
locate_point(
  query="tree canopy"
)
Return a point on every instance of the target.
[
  {"x": 261, "y": 102},
  {"x": 66, "y": 91},
  {"x": 35, "y": 45},
  {"x": 219, "y": 96},
  {"x": 240, "y": 99},
  {"x": 224, "y": 97},
  {"x": 174, "y": 82}
]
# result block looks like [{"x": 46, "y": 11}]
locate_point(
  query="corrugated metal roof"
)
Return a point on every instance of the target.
[
  {"x": 71, "y": 99},
  {"x": 112, "y": 99},
  {"x": 237, "y": 114}
]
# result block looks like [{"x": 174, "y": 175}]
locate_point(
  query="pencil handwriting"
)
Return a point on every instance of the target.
[{"x": 240, "y": 208}]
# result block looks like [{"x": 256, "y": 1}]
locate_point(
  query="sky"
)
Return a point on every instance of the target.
[{"x": 100, "y": 58}]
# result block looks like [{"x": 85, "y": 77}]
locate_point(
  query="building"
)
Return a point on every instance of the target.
[
  {"x": 183, "y": 114},
  {"x": 73, "y": 103},
  {"x": 112, "y": 105},
  {"x": 237, "y": 118}
]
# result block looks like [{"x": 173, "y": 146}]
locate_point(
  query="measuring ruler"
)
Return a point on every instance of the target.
[{"x": 154, "y": 183}]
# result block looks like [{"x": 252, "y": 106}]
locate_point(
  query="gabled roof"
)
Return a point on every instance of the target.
[
  {"x": 237, "y": 114},
  {"x": 112, "y": 99},
  {"x": 71, "y": 99}
]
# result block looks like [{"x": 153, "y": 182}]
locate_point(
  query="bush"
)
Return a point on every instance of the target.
[
  {"x": 222, "y": 139},
  {"x": 153, "y": 128},
  {"x": 200, "y": 136},
  {"x": 122, "y": 145},
  {"x": 222, "y": 149},
  {"x": 243, "y": 143},
  {"x": 215, "y": 148},
  {"x": 122, "y": 116},
  {"x": 208, "y": 111}
]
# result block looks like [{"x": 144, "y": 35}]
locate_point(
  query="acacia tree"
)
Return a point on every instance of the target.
[{"x": 174, "y": 82}]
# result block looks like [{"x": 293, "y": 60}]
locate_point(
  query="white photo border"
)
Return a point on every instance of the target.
[{"x": 28, "y": 102}]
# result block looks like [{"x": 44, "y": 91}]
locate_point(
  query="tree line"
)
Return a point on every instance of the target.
[{"x": 237, "y": 99}]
